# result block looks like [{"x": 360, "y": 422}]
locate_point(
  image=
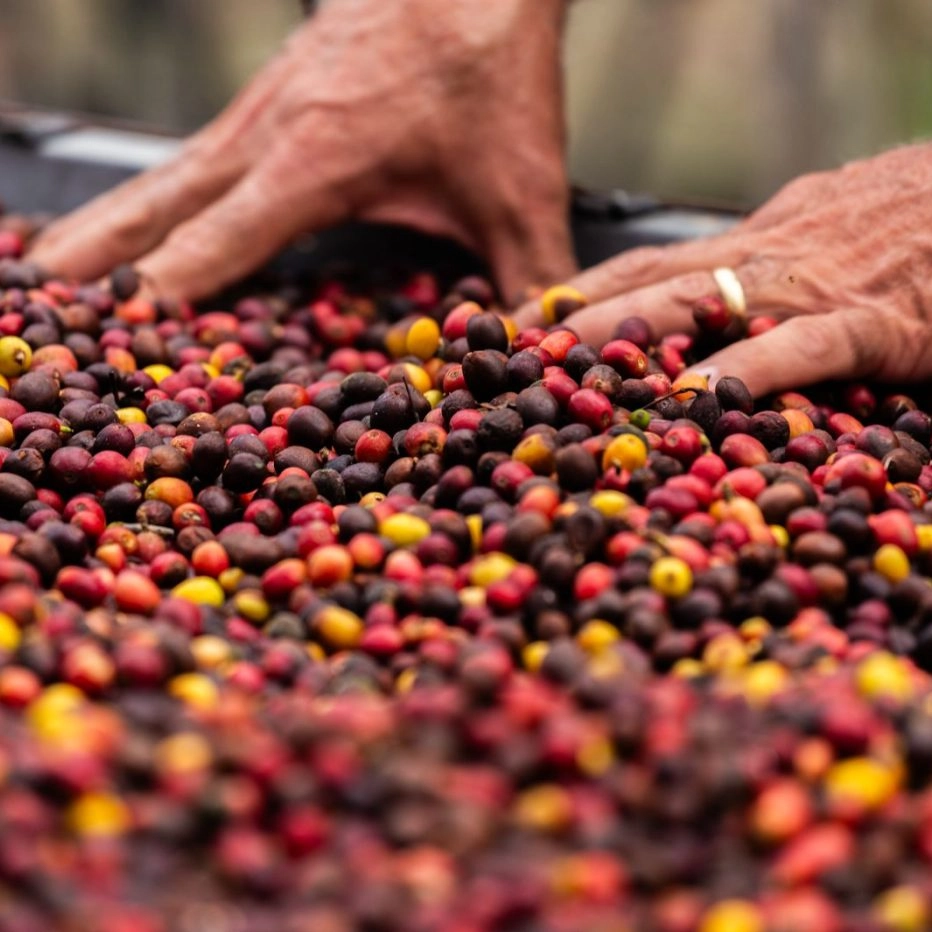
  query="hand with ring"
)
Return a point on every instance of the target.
[{"x": 843, "y": 259}]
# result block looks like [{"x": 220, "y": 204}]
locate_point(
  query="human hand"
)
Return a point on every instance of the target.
[
  {"x": 843, "y": 258},
  {"x": 445, "y": 118}
]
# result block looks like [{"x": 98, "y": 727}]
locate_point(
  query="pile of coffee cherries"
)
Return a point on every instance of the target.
[{"x": 334, "y": 611}]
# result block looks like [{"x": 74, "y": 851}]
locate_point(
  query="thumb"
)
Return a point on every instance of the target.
[{"x": 842, "y": 344}]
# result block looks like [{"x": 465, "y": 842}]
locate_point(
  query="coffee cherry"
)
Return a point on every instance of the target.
[
  {"x": 671, "y": 577},
  {"x": 558, "y": 302},
  {"x": 732, "y": 916},
  {"x": 423, "y": 338},
  {"x": 490, "y": 601},
  {"x": 627, "y": 451},
  {"x": 15, "y": 356}
]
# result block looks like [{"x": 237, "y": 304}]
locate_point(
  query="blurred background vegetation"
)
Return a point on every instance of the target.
[{"x": 713, "y": 99}]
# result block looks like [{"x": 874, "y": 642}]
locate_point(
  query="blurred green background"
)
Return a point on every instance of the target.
[{"x": 714, "y": 99}]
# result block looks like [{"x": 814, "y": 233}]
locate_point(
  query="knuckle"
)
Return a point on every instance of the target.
[
  {"x": 797, "y": 187},
  {"x": 637, "y": 262},
  {"x": 196, "y": 240},
  {"x": 134, "y": 222},
  {"x": 804, "y": 186},
  {"x": 905, "y": 353},
  {"x": 694, "y": 285},
  {"x": 858, "y": 329},
  {"x": 816, "y": 336},
  {"x": 200, "y": 146},
  {"x": 207, "y": 161}
]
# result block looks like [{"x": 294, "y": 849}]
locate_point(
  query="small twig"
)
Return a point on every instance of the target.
[
  {"x": 671, "y": 394},
  {"x": 411, "y": 407},
  {"x": 155, "y": 528}
]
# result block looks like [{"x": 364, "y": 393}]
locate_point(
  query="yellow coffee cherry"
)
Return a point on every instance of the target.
[
  {"x": 594, "y": 636},
  {"x": 10, "y": 635},
  {"x": 688, "y": 668},
  {"x": 131, "y": 415},
  {"x": 884, "y": 676},
  {"x": 533, "y": 655},
  {"x": 610, "y": 503},
  {"x": 474, "y": 523},
  {"x": 184, "y": 752},
  {"x": 472, "y": 596},
  {"x": 491, "y": 568},
  {"x": 396, "y": 340},
  {"x": 626, "y": 451},
  {"x": 555, "y": 302},
  {"x": 671, "y": 577},
  {"x": 157, "y": 372},
  {"x": 404, "y": 682},
  {"x": 754, "y": 628},
  {"x": 340, "y": 628},
  {"x": 764, "y": 680},
  {"x": 252, "y": 605},
  {"x": 536, "y": 453},
  {"x": 732, "y": 916},
  {"x": 55, "y": 711},
  {"x": 566, "y": 510},
  {"x": 201, "y": 590},
  {"x": 230, "y": 578},
  {"x": 800, "y": 422},
  {"x": 544, "y": 808},
  {"x": 210, "y": 651},
  {"x": 404, "y": 530},
  {"x": 861, "y": 780},
  {"x": 418, "y": 377},
  {"x": 99, "y": 815},
  {"x": 595, "y": 757},
  {"x": 511, "y": 328},
  {"x": 685, "y": 386},
  {"x": 423, "y": 339},
  {"x": 195, "y": 690},
  {"x": 15, "y": 356},
  {"x": 902, "y": 909},
  {"x": 923, "y": 536},
  {"x": 780, "y": 535},
  {"x": 725, "y": 653},
  {"x": 7, "y": 435},
  {"x": 891, "y": 562},
  {"x": 605, "y": 665}
]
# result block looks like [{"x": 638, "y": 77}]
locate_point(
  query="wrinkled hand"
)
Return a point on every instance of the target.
[
  {"x": 446, "y": 118},
  {"x": 844, "y": 258}
]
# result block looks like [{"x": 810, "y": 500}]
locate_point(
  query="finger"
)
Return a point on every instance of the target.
[
  {"x": 522, "y": 258},
  {"x": 640, "y": 268},
  {"x": 798, "y": 196},
  {"x": 843, "y": 344},
  {"x": 231, "y": 238},
  {"x": 667, "y": 306},
  {"x": 125, "y": 223}
]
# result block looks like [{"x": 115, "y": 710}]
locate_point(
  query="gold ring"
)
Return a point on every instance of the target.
[{"x": 731, "y": 290}]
